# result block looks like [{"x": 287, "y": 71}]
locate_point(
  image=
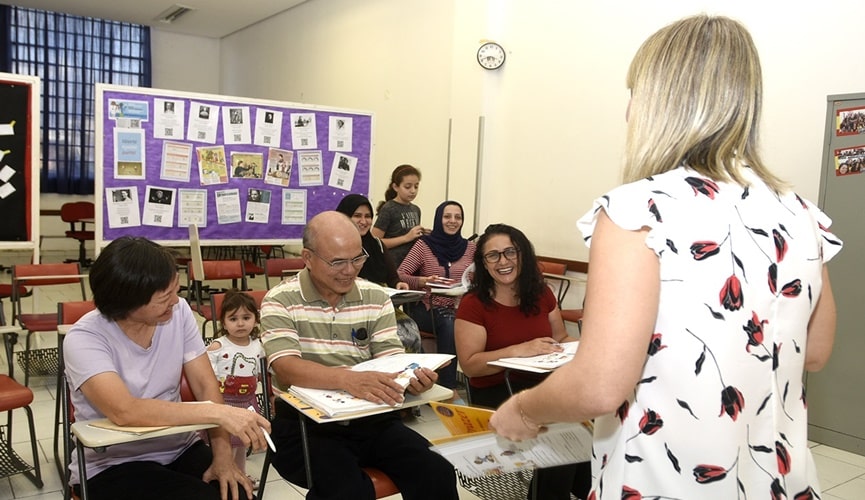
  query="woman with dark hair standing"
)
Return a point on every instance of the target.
[
  {"x": 124, "y": 362},
  {"x": 511, "y": 312}
]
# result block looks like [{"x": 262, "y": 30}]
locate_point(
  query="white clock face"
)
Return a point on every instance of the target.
[{"x": 491, "y": 55}]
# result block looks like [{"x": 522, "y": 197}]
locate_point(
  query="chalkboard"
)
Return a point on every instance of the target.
[
  {"x": 19, "y": 162},
  {"x": 245, "y": 171}
]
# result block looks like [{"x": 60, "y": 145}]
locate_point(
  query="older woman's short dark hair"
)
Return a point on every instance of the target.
[{"x": 128, "y": 272}]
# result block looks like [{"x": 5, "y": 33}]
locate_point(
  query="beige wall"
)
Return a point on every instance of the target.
[{"x": 554, "y": 114}]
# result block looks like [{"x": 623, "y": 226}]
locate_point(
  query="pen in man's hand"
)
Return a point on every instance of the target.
[{"x": 266, "y": 435}]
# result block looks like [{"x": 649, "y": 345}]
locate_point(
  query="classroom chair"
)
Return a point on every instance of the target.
[
  {"x": 12, "y": 397},
  {"x": 67, "y": 314},
  {"x": 279, "y": 267},
  {"x": 383, "y": 485},
  {"x": 214, "y": 270},
  {"x": 186, "y": 395},
  {"x": 78, "y": 214},
  {"x": 39, "y": 276}
]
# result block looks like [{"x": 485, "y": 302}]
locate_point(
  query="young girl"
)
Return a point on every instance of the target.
[
  {"x": 234, "y": 357},
  {"x": 398, "y": 222}
]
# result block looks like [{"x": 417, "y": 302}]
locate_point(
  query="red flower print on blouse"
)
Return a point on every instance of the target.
[
  {"x": 783, "y": 458},
  {"x": 792, "y": 289},
  {"x": 731, "y": 294},
  {"x": 629, "y": 493},
  {"x": 653, "y": 209},
  {"x": 650, "y": 423},
  {"x": 655, "y": 345},
  {"x": 806, "y": 494},
  {"x": 709, "y": 473},
  {"x": 778, "y": 492},
  {"x": 780, "y": 245},
  {"x": 773, "y": 278},
  {"x": 732, "y": 402},
  {"x": 704, "y": 186},
  {"x": 622, "y": 411},
  {"x": 702, "y": 249},
  {"x": 754, "y": 329}
]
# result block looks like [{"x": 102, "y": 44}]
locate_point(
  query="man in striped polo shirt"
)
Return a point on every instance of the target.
[{"x": 314, "y": 326}]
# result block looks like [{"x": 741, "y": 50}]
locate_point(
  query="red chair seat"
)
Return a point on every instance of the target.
[
  {"x": 13, "y": 395},
  {"x": 46, "y": 322},
  {"x": 6, "y": 291},
  {"x": 81, "y": 235},
  {"x": 384, "y": 486}
]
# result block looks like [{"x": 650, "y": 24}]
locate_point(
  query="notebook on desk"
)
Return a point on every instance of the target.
[
  {"x": 335, "y": 403},
  {"x": 542, "y": 363}
]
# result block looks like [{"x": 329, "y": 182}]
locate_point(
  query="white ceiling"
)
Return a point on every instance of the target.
[{"x": 209, "y": 18}]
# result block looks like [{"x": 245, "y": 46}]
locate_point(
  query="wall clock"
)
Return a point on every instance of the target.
[{"x": 491, "y": 55}]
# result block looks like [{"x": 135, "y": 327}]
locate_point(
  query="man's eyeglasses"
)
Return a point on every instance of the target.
[
  {"x": 340, "y": 264},
  {"x": 493, "y": 257}
]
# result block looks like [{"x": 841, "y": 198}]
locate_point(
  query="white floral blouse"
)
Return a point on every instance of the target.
[{"x": 720, "y": 411}]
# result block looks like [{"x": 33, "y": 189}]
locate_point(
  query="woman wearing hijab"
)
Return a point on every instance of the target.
[
  {"x": 379, "y": 267},
  {"x": 443, "y": 253}
]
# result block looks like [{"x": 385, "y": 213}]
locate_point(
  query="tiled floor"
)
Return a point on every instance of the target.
[{"x": 842, "y": 474}]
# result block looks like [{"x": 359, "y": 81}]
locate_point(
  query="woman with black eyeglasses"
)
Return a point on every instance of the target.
[{"x": 510, "y": 312}]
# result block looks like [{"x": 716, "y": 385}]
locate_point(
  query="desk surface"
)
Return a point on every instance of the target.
[
  {"x": 95, "y": 437},
  {"x": 436, "y": 393}
]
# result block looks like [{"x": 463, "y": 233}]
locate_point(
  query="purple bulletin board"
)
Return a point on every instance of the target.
[{"x": 130, "y": 114}]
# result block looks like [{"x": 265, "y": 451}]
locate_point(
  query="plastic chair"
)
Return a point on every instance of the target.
[
  {"x": 38, "y": 276},
  {"x": 13, "y": 396},
  {"x": 78, "y": 214},
  {"x": 214, "y": 270},
  {"x": 6, "y": 293},
  {"x": 381, "y": 482},
  {"x": 551, "y": 272},
  {"x": 277, "y": 268},
  {"x": 67, "y": 314}
]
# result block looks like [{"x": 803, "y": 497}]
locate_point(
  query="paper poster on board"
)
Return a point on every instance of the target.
[
  {"x": 342, "y": 172},
  {"x": 192, "y": 207},
  {"x": 203, "y": 119},
  {"x": 303, "y": 131},
  {"x": 309, "y": 168},
  {"x": 129, "y": 153},
  {"x": 168, "y": 119},
  {"x": 228, "y": 206},
  {"x": 122, "y": 206},
  {"x": 278, "y": 167},
  {"x": 339, "y": 133},
  {"x": 235, "y": 125},
  {"x": 159, "y": 207},
  {"x": 268, "y": 128},
  {"x": 211, "y": 165},
  {"x": 258, "y": 206},
  {"x": 176, "y": 161},
  {"x": 294, "y": 207}
]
